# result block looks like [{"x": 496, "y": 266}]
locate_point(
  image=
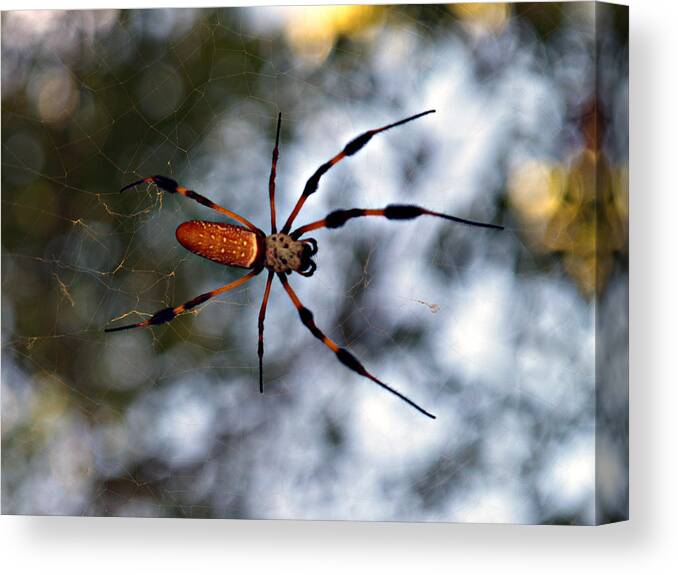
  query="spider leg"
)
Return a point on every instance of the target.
[
  {"x": 169, "y": 185},
  {"x": 262, "y": 316},
  {"x": 343, "y": 355},
  {"x": 338, "y": 218},
  {"x": 351, "y": 148},
  {"x": 169, "y": 313},
  {"x": 271, "y": 178}
]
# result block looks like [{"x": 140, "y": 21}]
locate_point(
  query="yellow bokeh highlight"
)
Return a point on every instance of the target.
[
  {"x": 48, "y": 407},
  {"x": 313, "y": 30},
  {"x": 57, "y": 95},
  {"x": 578, "y": 209},
  {"x": 483, "y": 18}
]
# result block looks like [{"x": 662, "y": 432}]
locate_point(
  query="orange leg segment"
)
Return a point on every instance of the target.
[
  {"x": 271, "y": 177},
  {"x": 169, "y": 313},
  {"x": 343, "y": 355},
  {"x": 169, "y": 185},
  {"x": 351, "y": 148},
  {"x": 338, "y": 218},
  {"x": 262, "y": 317}
]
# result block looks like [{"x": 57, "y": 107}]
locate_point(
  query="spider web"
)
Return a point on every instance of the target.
[{"x": 476, "y": 326}]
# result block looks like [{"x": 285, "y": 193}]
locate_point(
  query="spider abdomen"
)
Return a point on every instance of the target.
[{"x": 222, "y": 243}]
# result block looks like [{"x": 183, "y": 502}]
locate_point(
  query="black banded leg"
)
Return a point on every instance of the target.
[
  {"x": 343, "y": 355},
  {"x": 262, "y": 317},
  {"x": 271, "y": 177},
  {"x": 169, "y": 185},
  {"x": 169, "y": 313},
  {"x": 351, "y": 148},
  {"x": 338, "y": 218}
]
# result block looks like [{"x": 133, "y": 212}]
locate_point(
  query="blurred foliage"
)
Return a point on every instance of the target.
[{"x": 579, "y": 209}]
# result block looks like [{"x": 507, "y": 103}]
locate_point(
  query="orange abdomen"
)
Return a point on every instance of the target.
[{"x": 223, "y": 243}]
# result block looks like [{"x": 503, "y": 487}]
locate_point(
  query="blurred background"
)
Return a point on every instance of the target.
[{"x": 508, "y": 337}]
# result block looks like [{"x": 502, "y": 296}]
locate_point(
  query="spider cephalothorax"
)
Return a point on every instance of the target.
[
  {"x": 280, "y": 253},
  {"x": 285, "y": 255}
]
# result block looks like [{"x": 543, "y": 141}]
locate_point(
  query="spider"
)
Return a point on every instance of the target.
[{"x": 280, "y": 252}]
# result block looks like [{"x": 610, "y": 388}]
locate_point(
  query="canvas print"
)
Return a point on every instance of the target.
[{"x": 330, "y": 262}]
